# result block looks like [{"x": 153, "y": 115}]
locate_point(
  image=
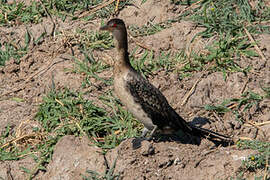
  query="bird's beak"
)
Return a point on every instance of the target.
[{"x": 105, "y": 28}]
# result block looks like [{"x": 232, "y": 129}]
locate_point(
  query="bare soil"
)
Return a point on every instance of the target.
[{"x": 32, "y": 79}]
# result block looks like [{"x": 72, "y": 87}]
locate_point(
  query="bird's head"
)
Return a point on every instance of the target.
[{"x": 118, "y": 29}]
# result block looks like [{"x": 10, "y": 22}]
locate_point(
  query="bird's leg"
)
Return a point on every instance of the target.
[
  {"x": 145, "y": 131},
  {"x": 153, "y": 131}
]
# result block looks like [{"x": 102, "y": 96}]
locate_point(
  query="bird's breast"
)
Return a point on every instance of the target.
[{"x": 123, "y": 93}]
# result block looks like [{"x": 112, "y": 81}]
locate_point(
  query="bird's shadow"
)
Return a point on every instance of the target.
[{"x": 180, "y": 136}]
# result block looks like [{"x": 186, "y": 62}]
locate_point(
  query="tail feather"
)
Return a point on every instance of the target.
[
  {"x": 180, "y": 123},
  {"x": 211, "y": 134}
]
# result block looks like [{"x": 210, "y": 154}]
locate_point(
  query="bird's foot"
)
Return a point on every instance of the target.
[{"x": 136, "y": 143}]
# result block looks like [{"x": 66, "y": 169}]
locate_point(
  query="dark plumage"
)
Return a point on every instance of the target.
[
  {"x": 141, "y": 98},
  {"x": 154, "y": 104}
]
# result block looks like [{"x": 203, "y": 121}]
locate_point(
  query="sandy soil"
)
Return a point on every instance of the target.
[{"x": 32, "y": 78}]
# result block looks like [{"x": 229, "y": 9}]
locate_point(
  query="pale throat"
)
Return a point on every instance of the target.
[{"x": 122, "y": 50}]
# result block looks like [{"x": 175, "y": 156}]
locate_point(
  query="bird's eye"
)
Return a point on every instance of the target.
[{"x": 114, "y": 25}]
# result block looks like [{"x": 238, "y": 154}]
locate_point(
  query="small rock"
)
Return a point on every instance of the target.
[
  {"x": 147, "y": 148},
  {"x": 237, "y": 124},
  {"x": 165, "y": 163},
  {"x": 228, "y": 125},
  {"x": 177, "y": 161}
]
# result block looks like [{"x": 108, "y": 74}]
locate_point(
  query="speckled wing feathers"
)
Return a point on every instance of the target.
[{"x": 154, "y": 103}]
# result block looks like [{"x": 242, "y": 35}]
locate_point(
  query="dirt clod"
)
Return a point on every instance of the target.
[
  {"x": 147, "y": 148},
  {"x": 72, "y": 157}
]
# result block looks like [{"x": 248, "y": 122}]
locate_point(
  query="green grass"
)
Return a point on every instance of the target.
[
  {"x": 13, "y": 50},
  {"x": 20, "y": 13},
  {"x": 229, "y": 17},
  {"x": 226, "y": 21},
  {"x": 69, "y": 113},
  {"x": 147, "y": 63},
  {"x": 223, "y": 55},
  {"x": 259, "y": 160},
  {"x": 16, "y": 13},
  {"x": 107, "y": 11},
  {"x": 85, "y": 40},
  {"x": 149, "y": 28},
  {"x": 90, "y": 68},
  {"x": 247, "y": 101},
  {"x": 108, "y": 175},
  {"x": 106, "y": 124}
]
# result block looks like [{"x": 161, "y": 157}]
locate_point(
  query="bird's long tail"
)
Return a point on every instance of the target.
[
  {"x": 180, "y": 123},
  {"x": 211, "y": 134}
]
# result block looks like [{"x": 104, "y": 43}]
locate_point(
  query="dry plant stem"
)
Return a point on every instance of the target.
[
  {"x": 258, "y": 124},
  {"x": 192, "y": 90},
  {"x": 255, "y": 44},
  {"x": 117, "y": 6},
  {"x": 251, "y": 124},
  {"x": 19, "y": 138},
  {"x": 245, "y": 138},
  {"x": 49, "y": 15},
  {"x": 216, "y": 116},
  {"x": 232, "y": 106},
  {"x": 96, "y": 8},
  {"x": 8, "y": 172},
  {"x": 245, "y": 85},
  {"x": 190, "y": 7}
]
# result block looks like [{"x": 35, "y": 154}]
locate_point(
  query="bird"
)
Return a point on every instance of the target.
[{"x": 141, "y": 98}]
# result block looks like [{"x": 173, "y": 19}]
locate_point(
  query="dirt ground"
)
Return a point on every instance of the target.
[{"x": 32, "y": 78}]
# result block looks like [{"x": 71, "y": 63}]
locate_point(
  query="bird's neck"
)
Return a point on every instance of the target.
[{"x": 122, "y": 61}]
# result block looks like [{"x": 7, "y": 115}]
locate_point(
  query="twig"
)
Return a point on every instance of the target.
[
  {"x": 50, "y": 16},
  {"x": 190, "y": 7},
  {"x": 245, "y": 85},
  {"x": 117, "y": 6},
  {"x": 245, "y": 138},
  {"x": 9, "y": 175},
  {"x": 216, "y": 116},
  {"x": 253, "y": 125},
  {"x": 258, "y": 124},
  {"x": 62, "y": 104},
  {"x": 17, "y": 139},
  {"x": 198, "y": 162},
  {"x": 255, "y": 44},
  {"x": 232, "y": 105},
  {"x": 190, "y": 92}
]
